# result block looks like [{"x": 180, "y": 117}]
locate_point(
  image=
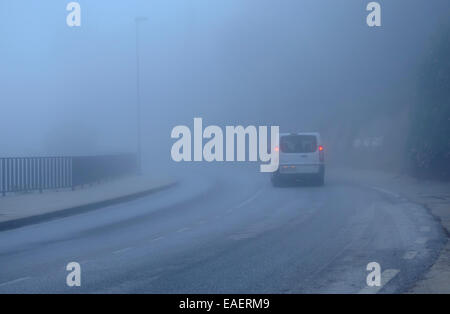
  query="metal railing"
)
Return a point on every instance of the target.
[{"x": 20, "y": 174}]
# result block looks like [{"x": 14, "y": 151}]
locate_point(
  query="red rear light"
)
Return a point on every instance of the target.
[
  {"x": 321, "y": 154},
  {"x": 277, "y": 148}
]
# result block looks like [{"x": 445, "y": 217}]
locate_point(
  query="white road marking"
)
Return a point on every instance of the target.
[
  {"x": 250, "y": 199},
  {"x": 242, "y": 236},
  {"x": 386, "y": 276},
  {"x": 157, "y": 239},
  {"x": 240, "y": 205},
  {"x": 385, "y": 191},
  {"x": 425, "y": 229},
  {"x": 183, "y": 230},
  {"x": 152, "y": 278},
  {"x": 410, "y": 255},
  {"x": 122, "y": 250},
  {"x": 14, "y": 281},
  {"x": 422, "y": 240}
]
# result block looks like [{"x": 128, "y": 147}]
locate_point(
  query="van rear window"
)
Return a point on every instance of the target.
[{"x": 298, "y": 144}]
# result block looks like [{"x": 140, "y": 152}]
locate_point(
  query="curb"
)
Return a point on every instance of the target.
[{"x": 25, "y": 221}]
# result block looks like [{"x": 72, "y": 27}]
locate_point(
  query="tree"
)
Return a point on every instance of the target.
[{"x": 429, "y": 141}]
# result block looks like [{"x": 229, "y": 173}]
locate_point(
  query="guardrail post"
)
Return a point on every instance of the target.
[
  {"x": 40, "y": 174},
  {"x": 71, "y": 174},
  {"x": 3, "y": 178}
]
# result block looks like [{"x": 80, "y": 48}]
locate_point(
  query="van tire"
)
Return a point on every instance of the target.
[
  {"x": 276, "y": 181},
  {"x": 320, "y": 180}
]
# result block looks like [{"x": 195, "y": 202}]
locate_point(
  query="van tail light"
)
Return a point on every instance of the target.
[{"x": 321, "y": 154}]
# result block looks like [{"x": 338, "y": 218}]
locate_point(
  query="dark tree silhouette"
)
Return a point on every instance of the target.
[{"x": 429, "y": 141}]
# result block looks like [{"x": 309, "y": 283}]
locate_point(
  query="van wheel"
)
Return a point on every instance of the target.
[
  {"x": 320, "y": 180},
  {"x": 276, "y": 181}
]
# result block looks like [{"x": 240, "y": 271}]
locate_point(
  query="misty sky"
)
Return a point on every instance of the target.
[{"x": 287, "y": 62}]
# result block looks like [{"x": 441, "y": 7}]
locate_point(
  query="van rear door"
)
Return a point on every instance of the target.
[{"x": 301, "y": 150}]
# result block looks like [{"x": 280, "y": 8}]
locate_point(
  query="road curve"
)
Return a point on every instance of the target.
[{"x": 227, "y": 230}]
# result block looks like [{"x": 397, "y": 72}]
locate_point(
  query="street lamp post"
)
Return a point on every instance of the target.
[{"x": 138, "y": 20}]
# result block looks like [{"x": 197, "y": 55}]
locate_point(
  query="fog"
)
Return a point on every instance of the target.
[
  {"x": 116, "y": 184},
  {"x": 303, "y": 65}
]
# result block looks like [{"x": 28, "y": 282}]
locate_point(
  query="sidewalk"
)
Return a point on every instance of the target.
[
  {"x": 23, "y": 209},
  {"x": 433, "y": 195}
]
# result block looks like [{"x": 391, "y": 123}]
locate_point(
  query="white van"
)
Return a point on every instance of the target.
[{"x": 301, "y": 157}]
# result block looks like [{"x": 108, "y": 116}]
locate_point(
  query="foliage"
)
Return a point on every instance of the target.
[{"x": 429, "y": 140}]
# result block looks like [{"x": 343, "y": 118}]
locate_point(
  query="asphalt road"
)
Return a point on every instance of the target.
[{"x": 227, "y": 230}]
